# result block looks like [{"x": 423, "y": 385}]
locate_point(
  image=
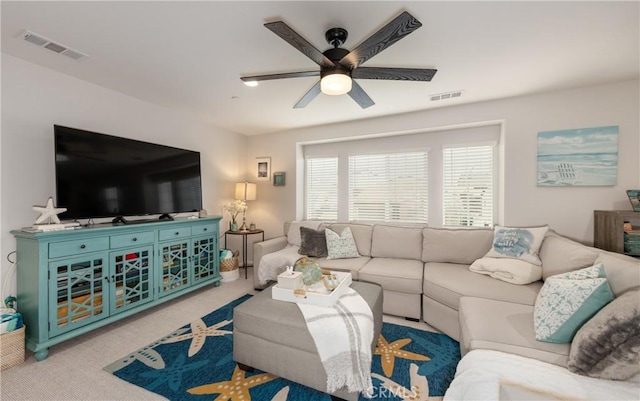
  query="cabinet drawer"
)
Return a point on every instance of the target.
[
  {"x": 124, "y": 240},
  {"x": 77, "y": 247},
  {"x": 204, "y": 229},
  {"x": 173, "y": 233}
]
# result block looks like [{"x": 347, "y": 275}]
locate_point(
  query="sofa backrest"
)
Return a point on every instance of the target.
[
  {"x": 561, "y": 255},
  {"x": 361, "y": 234},
  {"x": 396, "y": 242},
  {"x": 462, "y": 246}
]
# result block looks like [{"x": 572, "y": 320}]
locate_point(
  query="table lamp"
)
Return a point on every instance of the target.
[{"x": 245, "y": 191}]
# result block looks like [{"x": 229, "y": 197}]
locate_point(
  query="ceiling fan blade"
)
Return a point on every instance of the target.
[
  {"x": 396, "y": 74},
  {"x": 268, "y": 77},
  {"x": 308, "y": 97},
  {"x": 290, "y": 36},
  {"x": 360, "y": 96},
  {"x": 395, "y": 30}
]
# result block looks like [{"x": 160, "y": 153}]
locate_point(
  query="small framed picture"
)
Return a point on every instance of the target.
[
  {"x": 263, "y": 168},
  {"x": 278, "y": 179},
  {"x": 634, "y": 198}
]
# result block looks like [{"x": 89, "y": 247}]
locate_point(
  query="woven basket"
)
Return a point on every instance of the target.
[
  {"x": 12, "y": 348},
  {"x": 227, "y": 265}
]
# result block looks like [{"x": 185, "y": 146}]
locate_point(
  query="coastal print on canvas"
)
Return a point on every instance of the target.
[{"x": 578, "y": 157}]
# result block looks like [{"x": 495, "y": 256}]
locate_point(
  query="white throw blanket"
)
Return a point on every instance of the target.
[
  {"x": 343, "y": 334},
  {"x": 514, "y": 271},
  {"x": 274, "y": 263},
  {"x": 493, "y": 375}
]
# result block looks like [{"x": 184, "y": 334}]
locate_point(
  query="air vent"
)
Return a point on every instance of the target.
[
  {"x": 47, "y": 43},
  {"x": 446, "y": 95}
]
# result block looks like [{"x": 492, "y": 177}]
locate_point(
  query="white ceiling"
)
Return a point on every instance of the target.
[{"x": 189, "y": 56}]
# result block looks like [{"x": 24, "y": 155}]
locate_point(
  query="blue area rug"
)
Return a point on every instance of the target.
[{"x": 196, "y": 363}]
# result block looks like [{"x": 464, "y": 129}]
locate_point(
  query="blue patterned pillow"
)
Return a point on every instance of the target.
[
  {"x": 341, "y": 246},
  {"x": 518, "y": 243},
  {"x": 566, "y": 301}
]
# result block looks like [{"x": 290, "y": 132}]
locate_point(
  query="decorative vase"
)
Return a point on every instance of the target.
[{"x": 234, "y": 226}]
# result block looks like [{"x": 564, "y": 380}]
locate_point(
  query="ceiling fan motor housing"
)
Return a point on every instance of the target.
[{"x": 335, "y": 55}]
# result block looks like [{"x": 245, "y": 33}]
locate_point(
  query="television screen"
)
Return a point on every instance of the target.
[{"x": 101, "y": 175}]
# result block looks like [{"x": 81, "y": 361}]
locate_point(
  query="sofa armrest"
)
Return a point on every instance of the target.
[{"x": 262, "y": 248}]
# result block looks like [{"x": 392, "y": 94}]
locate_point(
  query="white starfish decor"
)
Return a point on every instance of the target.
[
  {"x": 49, "y": 213},
  {"x": 199, "y": 333}
]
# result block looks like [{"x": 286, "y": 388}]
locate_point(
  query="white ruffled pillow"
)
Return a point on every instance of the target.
[{"x": 514, "y": 271}]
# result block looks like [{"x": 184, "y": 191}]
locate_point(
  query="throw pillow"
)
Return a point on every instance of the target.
[
  {"x": 313, "y": 243},
  {"x": 293, "y": 235},
  {"x": 341, "y": 246},
  {"x": 623, "y": 272},
  {"x": 512, "y": 271},
  {"x": 566, "y": 301},
  {"x": 518, "y": 243},
  {"x": 608, "y": 345}
]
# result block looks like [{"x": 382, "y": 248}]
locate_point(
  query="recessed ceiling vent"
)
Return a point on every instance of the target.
[
  {"x": 47, "y": 43},
  {"x": 446, "y": 95}
]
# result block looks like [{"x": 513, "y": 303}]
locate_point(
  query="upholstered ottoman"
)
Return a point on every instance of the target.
[{"x": 272, "y": 336}]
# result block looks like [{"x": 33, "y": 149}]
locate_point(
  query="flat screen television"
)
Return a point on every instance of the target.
[{"x": 100, "y": 175}]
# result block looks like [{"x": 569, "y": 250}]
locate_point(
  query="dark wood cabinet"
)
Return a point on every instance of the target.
[{"x": 609, "y": 233}]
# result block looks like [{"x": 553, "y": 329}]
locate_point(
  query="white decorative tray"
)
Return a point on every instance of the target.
[{"x": 317, "y": 294}]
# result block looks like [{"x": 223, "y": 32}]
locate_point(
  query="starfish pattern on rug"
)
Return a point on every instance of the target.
[
  {"x": 390, "y": 351},
  {"x": 173, "y": 374},
  {"x": 199, "y": 333},
  {"x": 417, "y": 391},
  {"x": 148, "y": 355},
  {"x": 236, "y": 389}
]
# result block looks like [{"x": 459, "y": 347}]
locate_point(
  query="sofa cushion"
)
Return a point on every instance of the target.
[
  {"x": 313, "y": 242},
  {"x": 608, "y": 345},
  {"x": 566, "y": 301},
  {"x": 447, "y": 282},
  {"x": 560, "y": 255},
  {"x": 455, "y": 246},
  {"x": 396, "y": 242},
  {"x": 623, "y": 272},
  {"x": 401, "y": 275},
  {"x": 361, "y": 233},
  {"x": 352, "y": 265},
  {"x": 518, "y": 242},
  {"x": 507, "y": 327},
  {"x": 341, "y": 246}
]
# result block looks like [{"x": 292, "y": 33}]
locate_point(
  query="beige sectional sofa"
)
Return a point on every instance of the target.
[{"x": 424, "y": 273}]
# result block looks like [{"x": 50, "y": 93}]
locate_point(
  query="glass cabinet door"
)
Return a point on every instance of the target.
[
  {"x": 77, "y": 292},
  {"x": 175, "y": 266},
  {"x": 205, "y": 261},
  {"x": 131, "y": 278}
]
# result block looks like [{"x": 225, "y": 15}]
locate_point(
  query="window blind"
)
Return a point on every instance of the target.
[
  {"x": 321, "y": 193},
  {"x": 390, "y": 187},
  {"x": 468, "y": 183}
]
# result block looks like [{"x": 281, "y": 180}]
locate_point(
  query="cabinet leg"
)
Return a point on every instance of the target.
[
  {"x": 216, "y": 284},
  {"x": 42, "y": 354}
]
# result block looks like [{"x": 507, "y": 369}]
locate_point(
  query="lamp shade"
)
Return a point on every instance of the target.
[
  {"x": 335, "y": 83},
  {"x": 246, "y": 191}
]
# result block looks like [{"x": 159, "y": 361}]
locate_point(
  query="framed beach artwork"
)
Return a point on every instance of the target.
[
  {"x": 263, "y": 168},
  {"x": 578, "y": 157}
]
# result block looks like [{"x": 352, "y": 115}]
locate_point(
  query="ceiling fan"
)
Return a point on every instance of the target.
[{"x": 338, "y": 66}]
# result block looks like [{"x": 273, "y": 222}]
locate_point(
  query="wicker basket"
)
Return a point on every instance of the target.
[
  {"x": 12, "y": 348},
  {"x": 227, "y": 265}
]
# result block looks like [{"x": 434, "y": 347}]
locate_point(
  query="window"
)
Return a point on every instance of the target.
[
  {"x": 468, "y": 186},
  {"x": 321, "y": 188},
  {"x": 388, "y": 187}
]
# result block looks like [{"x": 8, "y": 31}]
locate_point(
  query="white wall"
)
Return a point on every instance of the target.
[
  {"x": 35, "y": 98},
  {"x": 568, "y": 210}
]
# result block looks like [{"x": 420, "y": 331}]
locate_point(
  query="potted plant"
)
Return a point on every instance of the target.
[{"x": 234, "y": 209}]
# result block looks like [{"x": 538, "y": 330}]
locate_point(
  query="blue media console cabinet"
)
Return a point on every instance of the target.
[{"x": 73, "y": 281}]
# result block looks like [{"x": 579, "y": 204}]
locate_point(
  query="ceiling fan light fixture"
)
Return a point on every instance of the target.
[
  {"x": 335, "y": 83},
  {"x": 251, "y": 83}
]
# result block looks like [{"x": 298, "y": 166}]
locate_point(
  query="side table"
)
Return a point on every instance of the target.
[{"x": 244, "y": 234}]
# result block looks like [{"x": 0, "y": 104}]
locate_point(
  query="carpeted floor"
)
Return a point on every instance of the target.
[{"x": 197, "y": 360}]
